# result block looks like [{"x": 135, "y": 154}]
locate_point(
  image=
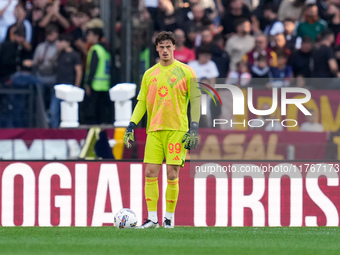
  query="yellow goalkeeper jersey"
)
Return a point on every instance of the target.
[{"x": 166, "y": 90}]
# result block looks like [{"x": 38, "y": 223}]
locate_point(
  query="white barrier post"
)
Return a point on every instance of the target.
[
  {"x": 71, "y": 96},
  {"x": 121, "y": 94}
]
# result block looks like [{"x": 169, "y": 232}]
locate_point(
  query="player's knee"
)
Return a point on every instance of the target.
[
  {"x": 152, "y": 170},
  {"x": 172, "y": 172}
]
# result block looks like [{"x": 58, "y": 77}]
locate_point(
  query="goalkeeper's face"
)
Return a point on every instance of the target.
[{"x": 165, "y": 50}]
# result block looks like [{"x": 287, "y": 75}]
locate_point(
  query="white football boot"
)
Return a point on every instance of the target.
[{"x": 149, "y": 224}]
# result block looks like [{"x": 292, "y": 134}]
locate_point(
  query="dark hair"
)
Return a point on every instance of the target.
[
  {"x": 72, "y": 3},
  {"x": 205, "y": 28},
  {"x": 218, "y": 37},
  {"x": 288, "y": 20},
  {"x": 204, "y": 49},
  {"x": 97, "y": 31},
  {"x": 325, "y": 34},
  {"x": 66, "y": 37},
  {"x": 240, "y": 21},
  {"x": 51, "y": 28},
  {"x": 281, "y": 54},
  {"x": 270, "y": 7},
  {"x": 165, "y": 35},
  {"x": 308, "y": 6},
  {"x": 261, "y": 57},
  {"x": 20, "y": 31},
  {"x": 85, "y": 9},
  {"x": 306, "y": 39}
]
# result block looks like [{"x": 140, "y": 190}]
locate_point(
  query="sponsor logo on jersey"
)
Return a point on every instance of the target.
[{"x": 163, "y": 91}]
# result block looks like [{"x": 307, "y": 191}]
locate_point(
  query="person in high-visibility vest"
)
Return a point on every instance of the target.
[{"x": 98, "y": 79}]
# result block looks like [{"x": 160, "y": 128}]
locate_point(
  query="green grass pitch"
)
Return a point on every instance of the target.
[{"x": 181, "y": 240}]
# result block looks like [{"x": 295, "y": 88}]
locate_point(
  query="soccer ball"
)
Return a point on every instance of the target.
[{"x": 125, "y": 218}]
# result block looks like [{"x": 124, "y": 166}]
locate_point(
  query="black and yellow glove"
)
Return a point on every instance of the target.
[
  {"x": 129, "y": 135},
  {"x": 190, "y": 139}
]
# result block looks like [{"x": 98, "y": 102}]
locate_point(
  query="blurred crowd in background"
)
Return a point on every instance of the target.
[
  {"x": 50, "y": 42},
  {"x": 243, "y": 39}
]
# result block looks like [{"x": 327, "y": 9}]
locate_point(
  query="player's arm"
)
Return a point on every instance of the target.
[
  {"x": 137, "y": 115},
  {"x": 190, "y": 139}
]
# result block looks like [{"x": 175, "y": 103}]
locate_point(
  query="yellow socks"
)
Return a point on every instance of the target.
[
  {"x": 171, "y": 196},
  {"x": 151, "y": 197}
]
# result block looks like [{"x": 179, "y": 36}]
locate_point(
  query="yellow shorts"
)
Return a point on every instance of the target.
[{"x": 165, "y": 143}]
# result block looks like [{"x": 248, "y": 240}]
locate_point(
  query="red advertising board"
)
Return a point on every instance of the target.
[
  {"x": 63, "y": 144},
  {"x": 246, "y": 194}
]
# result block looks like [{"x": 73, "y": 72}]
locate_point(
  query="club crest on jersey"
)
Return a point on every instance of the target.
[
  {"x": 173, "y": 78},
  {"x": 163, "y": 91}
]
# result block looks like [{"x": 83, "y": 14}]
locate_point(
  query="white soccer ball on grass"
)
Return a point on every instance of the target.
[{"x": 125, "y": 218}]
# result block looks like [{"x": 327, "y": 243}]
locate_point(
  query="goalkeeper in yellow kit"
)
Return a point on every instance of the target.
[{"x": 166, "y": 90}]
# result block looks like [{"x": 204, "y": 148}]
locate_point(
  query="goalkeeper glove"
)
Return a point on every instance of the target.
[
  {"x": 190, "y": 139},
  {"x": 129, "y": 135}
]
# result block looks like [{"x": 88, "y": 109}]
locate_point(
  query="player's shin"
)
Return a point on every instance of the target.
[
  {"x": 151, "y": 196},
  {"x": 171, "y": 196}
]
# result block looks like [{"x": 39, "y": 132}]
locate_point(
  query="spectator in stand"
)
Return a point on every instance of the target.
[
  {"x": 324, "y": 62},
  {"x": 300, "y": 60},
  {"x": 181, "y": 52},
  {"x": 167, "y": 18},
  {"x": 334, "y": 24},
  {"x": 69, "y": 71},
  {"x": 42, "y": 4},
  {"x": 281, "y": 75},
  {"x": 81, "y": 19},
  {"x": 71, "y": 7},
  {"x": 204, "y": 67},
  {"x": 279, "y": 44},
  {"x": 12, "y": 54},
  {"x": 241, "y": 43},
  {"x": 219, "y": 56},
  {"x": 208, "y": 6},
  {"x": 98, "y": 79},
  {"x": 261, "y": 48},
  {"x": 20, "y": 15},
  {"x": 274, "y": 26},
  {"x": 289, "y": 34},
  {"x": 194, "y": 26},
  {"x": 290, "y": 9},
  {"x": 38, "y": 33},
  {"x": 323, "y": 6},
  {"x": 337, "y": 54},
  {"x": 54, "y": 16},
  {"x": 313, "y": 25},
  {"x": 152, "y": 7},
  {"x": 237, "y": 10},
  {"x": 241, "y": 76},
  {"x": 94, "y": 9},
  {"x": 260, "y": 69},
  {"x": 6, "y": 17},
  {"x": 219, "y": 40},
  {"x": 44, "y": 61},
  {"x": 311, "y": 124}
]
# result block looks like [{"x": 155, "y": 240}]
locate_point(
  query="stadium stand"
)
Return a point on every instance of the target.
[{"x": 300, "y": 33}]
